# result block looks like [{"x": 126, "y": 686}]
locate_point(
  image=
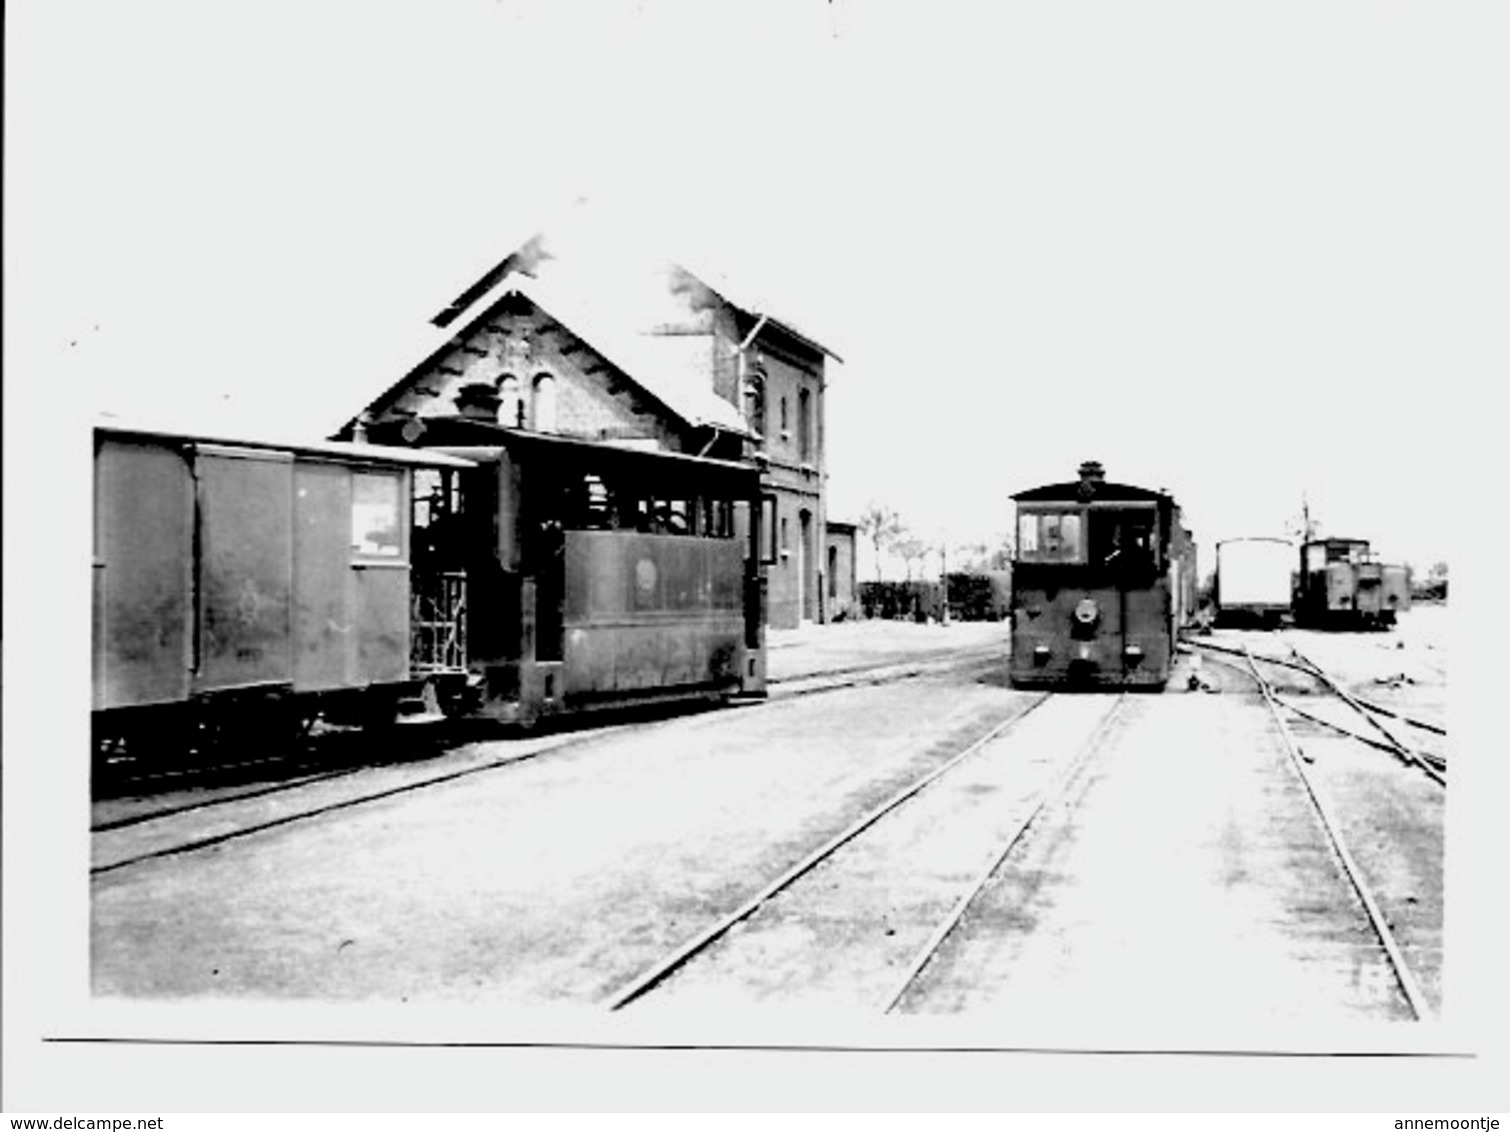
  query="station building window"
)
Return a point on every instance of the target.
[
  {"x": 544, "y": 403},
  {"x": 755, "y": 401},
  {"x": 510, "y": 403},
  {"x": 804, "y": 426}
]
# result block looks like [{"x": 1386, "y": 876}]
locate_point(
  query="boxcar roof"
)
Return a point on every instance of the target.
[
  {"x": 1076, "y": 492},
  {"x": 347, "y": 450}
]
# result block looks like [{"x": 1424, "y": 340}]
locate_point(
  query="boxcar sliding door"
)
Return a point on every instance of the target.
[{"x": 245, "y": 567}]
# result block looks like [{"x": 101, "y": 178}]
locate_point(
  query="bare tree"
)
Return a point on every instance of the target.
[
  {"x": 980, "y": 557},
  {"x": 882, "y": 527},
  {"x": 911, "y": 549}
]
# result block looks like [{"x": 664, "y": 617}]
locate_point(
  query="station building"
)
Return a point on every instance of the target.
[{"x": 580, "y": 342}]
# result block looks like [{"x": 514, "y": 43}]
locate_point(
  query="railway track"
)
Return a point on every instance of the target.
[
  {"x": 202, "y": 813},
  {"x": 886, "y": 916},
  {"x": 918, "y": 860},
  {"x": 1381, "y": 736},
  {"x": 1404, "y": 977}
]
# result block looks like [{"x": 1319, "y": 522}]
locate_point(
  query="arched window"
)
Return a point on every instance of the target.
[
  {"x": 544, "y": 403},
  {"x": 755, "y": 401},
  {"x": 804, "y": 426},
  {"x": 510, "y": 404}
]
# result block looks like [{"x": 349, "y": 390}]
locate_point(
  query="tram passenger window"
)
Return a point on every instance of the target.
[
  {"x": 376, "y": 524},
  {"x": 595, "y": 505},
  {"x": 678, "y": 517},
  {"x": 721, "y": 524}
]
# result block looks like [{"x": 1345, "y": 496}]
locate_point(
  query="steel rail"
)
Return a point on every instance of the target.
[
  {"x": 1434, "y": 767},
  {"x": 436, "y": 778},
  {"x": 1429, "y": 765},
  {"x": 261, "y": 791},
  {"x": 873, "y": 675},
  {"x": 310, "y": 771},
  {"x": 657, "y": 973},
  {"x": 1282, "y": 663},
  {"x": 1053, "y": 792},
  {"x": 1408, "y": 754},
  {"x": 1403, "y": 976}
]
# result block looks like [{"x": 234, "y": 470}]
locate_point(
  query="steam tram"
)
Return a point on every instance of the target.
[
  {"x": 245, "y": 587},
  {"x": 1343, "y": 585},
  {"x": 1102, "y": 580},
  {"x": 559, "y": 575}
]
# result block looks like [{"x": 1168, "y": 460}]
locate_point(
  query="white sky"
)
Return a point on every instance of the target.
[{"x": 1241, "y": 254}]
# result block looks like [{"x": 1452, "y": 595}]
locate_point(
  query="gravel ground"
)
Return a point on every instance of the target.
[
  {"x": 1183, "y": 892},
  {"x": 552, "y": 871},
  {"x": 1393, "y": 817},
  {"x": 847, "y": 645},
  {"x": 550, "y": 880}
]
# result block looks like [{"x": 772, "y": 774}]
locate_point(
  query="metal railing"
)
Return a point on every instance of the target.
[{"x": 438, "y": 623}]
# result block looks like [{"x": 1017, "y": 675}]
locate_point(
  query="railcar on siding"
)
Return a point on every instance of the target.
[
  {"x": 1255, "y": 580},
  {"x": 245, "y": 587},
  {"x": 1103, "y": 578}
]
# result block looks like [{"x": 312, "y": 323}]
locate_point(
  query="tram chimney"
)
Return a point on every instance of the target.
[{"x": 1092, "y": 472}]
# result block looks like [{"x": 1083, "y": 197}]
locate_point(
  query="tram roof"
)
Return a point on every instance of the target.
[
  {"x": 1075, "y": 492},
  {"x": 486, "y": 440},
  {"x": 346, "y": 450}
]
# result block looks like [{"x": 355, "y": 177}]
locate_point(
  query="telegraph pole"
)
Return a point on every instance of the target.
[{"x": 944, "y": 560}]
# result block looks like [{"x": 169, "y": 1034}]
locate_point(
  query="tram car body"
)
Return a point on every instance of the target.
[
  {"x": 242, "y": 584},
  {"x": 1254, "y": 582},
  {"x": 1343, "y": 585},
  {"x": 1103, "y": 578},
  {"x": 579, "y": 575}
]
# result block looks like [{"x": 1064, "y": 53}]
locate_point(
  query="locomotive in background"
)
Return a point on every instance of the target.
[
  {"x": 1341, "y": 584},
  {"x": 1103, "y": 579}
]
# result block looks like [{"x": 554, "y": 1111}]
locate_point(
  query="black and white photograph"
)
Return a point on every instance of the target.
[{"x": 742, "y": 557}]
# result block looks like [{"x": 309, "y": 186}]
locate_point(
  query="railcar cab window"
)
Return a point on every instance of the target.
[
  {"x": 1122, "y": 538},
  {"x": 376, "y": 521},
  {"x": 1048, "y": 536}
]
